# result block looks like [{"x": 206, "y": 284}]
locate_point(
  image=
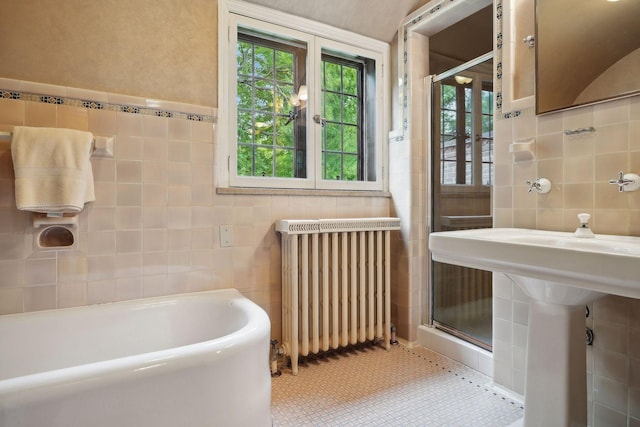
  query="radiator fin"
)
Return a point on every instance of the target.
[{"x": 335, "y": 283}]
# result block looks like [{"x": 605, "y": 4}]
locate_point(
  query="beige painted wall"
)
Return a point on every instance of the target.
[
  {"x": 158, "y": 49},
  {"x": 153, "y": 229}
]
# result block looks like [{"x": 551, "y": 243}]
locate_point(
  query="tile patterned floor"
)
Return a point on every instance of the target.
[{"x": 402, "y": 387}]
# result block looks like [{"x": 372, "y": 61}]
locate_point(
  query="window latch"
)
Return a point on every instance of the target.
[
  {"x": 320, "y": 120},
  {"x": 292, "y": 117}
]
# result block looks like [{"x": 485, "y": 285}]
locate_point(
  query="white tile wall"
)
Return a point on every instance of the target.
[
  {"x": 153, "y": 228},
  {"x": 579, "y": 168}
]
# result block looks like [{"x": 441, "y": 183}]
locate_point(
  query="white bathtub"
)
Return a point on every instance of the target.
[{"x": 199, "y": 359}]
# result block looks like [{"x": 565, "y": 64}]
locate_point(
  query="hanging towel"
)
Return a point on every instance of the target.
[{"x": 52, "y": 168}]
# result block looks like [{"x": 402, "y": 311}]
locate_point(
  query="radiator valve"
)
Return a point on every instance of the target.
[
  {"x": 276, "y": 352},
  {"x": 393, "y": 340}
]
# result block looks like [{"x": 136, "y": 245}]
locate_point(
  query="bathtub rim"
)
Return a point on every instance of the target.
[{"x": 153, "y": 362}]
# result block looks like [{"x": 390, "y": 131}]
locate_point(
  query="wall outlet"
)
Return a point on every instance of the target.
[{"x": 226, "y": 236}]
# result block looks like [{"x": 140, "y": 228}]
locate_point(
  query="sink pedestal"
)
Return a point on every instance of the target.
[
  {"x": 555, "y": 383},
  {"x": 560, "y": 273},
  {"x": 555, "y": 392}
]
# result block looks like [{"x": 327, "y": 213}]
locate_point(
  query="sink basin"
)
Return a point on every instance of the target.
[
  {"x": 568, "y": 270},
  {"x": 561, "y": 273}
]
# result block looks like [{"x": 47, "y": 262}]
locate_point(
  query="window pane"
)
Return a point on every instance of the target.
[
  {"x": 245, "y": 127},
  {"x": 333, "y": 106},
  {"x": 263, "y": 61},
  {"x": 262, "y": 130},
  {"x": 245, "y": 160},
  {"x": 266, "y": 119},
  {"x": 332, "y": 76},
  {"x": 448, "y": 97},
  {"x": 244, "y": 98},
  {"x": 448, "y": 173},
  {"x": 283, "y": 99},
  {"x": 244, "y": 58},
  {"x": 487, "y": 173},
  {"x": 487, "y": 134},
  {"x": 284, "y": 66},
  {"x": 333, "y": 166},
  {"x": 344, "y": 153},
  {"x": 264, "y": 99},
  {"x": 350, "y": 80},
  {"x": 350, "y": 172},
  {"x": 487, "y": 102},
  {"x": 468, "y": 156},
  {"x": 449, "y": 123},
  {"x": 264, "y": 161},
  {"x": 284, "y": 135},
  {"x": 350, "y": 139},
  {"x": 284, "y": 163},
  {"x": 350, "y": 109},
  {"x": 448, "y": 134},
  {"x": 333, "y": 137}
]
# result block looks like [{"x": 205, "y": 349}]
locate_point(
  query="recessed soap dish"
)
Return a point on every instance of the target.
[
  {"x": 56, "y": 236},
  {"x": 55, "y": 233},
  {"x": 523, "y": 150}
]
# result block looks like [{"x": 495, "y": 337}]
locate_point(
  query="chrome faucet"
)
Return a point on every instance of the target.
[
  {"x": 623, "y": 181},
  {"x": 540, "y": 185}
]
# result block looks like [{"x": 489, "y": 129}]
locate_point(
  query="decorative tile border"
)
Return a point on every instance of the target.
[
  {"x": 498, "y": 54},
  {"x": 101, "y": 105},
  {"x": 497, "y": 58},
  {"x": 500, "y": 114},
  {"x": 404, "y": 61}
]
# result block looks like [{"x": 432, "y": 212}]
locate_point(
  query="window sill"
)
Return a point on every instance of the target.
[{"x": 247, "y": 191}]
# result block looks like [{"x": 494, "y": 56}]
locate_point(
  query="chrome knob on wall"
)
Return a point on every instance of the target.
[
  {"x": 530, "y": 40},
  {"x": 540, "y": 185},
  {"x": 626, "y": 182}
]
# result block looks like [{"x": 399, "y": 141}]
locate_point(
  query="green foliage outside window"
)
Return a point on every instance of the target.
[
  {"x": 341, "y": 107},
  {"x": 266, "y": 131},
  {"x": 265, "y": 135}
]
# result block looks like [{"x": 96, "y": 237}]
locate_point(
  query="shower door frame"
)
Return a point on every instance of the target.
[{"x": 429, "y": 81}]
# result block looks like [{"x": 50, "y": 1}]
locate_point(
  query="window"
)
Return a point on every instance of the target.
[
  {"x": 342, "y": 109},
  {"x": 299, "y": 109},
  {"x": 455, "y": 134},
  {"x": 267, "y": 72},
  {"x": 466, "y": 139}
]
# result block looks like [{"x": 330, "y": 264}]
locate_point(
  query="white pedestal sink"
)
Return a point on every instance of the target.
[{"x": 561, "y": 273}]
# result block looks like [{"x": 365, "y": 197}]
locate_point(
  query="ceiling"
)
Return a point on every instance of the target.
[{"x": 378, "y": 19}]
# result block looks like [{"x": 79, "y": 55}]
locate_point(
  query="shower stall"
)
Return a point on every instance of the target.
[{"x": 462, "y": 176}]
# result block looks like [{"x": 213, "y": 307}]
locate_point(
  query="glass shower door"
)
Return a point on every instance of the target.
[{"x": 462, "y": 165}]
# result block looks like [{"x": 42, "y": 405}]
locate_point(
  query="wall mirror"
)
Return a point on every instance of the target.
[{"x": 586, "y": 51}]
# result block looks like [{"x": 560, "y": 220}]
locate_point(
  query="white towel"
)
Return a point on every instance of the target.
[{"x": 52, "y": 168}]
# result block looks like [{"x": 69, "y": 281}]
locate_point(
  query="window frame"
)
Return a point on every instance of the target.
[
  {"x": 280, "y": 45},
  {"x": 318, "y": 38}
]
